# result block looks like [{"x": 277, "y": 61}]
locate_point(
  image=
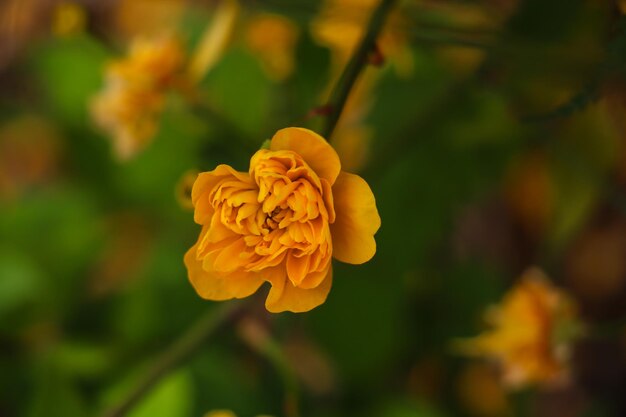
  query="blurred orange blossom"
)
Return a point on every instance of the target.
[
  {"x": 281, "y": 222},
  {"x": 129, "y": 106},
  {"x": 134, "y": 94},
  {"x": 532, "y": 329}
]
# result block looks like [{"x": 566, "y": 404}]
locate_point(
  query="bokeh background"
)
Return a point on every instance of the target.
[{"x": 491, "y": 131}]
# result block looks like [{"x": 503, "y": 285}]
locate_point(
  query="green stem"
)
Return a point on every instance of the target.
[
  {"x": 177, "y": 353},
  {"x": 355, "y": 66}
]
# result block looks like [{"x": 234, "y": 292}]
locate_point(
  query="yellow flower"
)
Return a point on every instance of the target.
[
  {"x": 129, "y": 106},
  {"x": 132, "y": 100},
  {"x": 273, "y": 39},
  {"x": 532, "y": 328},
  {"x": 281, "y": 222}
]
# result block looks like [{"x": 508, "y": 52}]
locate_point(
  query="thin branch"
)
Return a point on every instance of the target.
[
  {"x": 577, "y": 103},
  {"x": 355, "y": 66},
  {"x": 177, "y": 353}
]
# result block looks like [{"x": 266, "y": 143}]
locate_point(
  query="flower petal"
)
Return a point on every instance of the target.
[
  {"x": 284, "y": 296},
  {"x": 315, "y": 278},
  {"x": 357, "y": 220},
  {"x": 297, "y": 267},
  {"x": 204, "y": 184},
  {"x": 313, "y": 148},
  {"x": 210, "y": 286},
  {"x": 329, "y": 205},
  {"x": 230, "y": 258}
]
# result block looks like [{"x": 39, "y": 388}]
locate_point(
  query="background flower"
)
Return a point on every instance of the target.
[
  {"x": 526, "y": 339},
  {"x": 131, "y": 102}
]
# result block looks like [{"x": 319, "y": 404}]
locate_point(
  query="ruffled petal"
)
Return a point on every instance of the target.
[
  {"x": 204, "y": 184},
  {"x": 315, "y": 278},
  {"x": 210, "y": 286},
  {"x": 284, "y": 296},
  {"x": 357, "y": 220},
  {"x": 229, "y": 258},
  {"x": 315, "y": 151},
  {"x": 297, "y": 267},
  {"x": 329, "y": 205}
]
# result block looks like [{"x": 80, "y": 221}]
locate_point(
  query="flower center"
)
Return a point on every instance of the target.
[{"x": 272, "y": 219}]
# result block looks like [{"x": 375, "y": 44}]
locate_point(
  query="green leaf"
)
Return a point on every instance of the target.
[
  {"x": 172, "y": 397},
  {"x": 21, "y": 280},
  {"x": 70, "y": 71},
  {"x": 239, "y": 89}
]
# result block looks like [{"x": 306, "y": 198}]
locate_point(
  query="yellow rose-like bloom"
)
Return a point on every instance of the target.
[
  {"x": 531, "y": 332},
  {"x": 281, "y": 222},
  {"x": 133, "y": 97}
]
